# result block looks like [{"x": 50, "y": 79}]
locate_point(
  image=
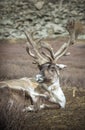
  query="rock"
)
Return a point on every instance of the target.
[
  {"x": 18, "y": 34},
  {"x": 39, "y": 5},
  {"x": 74, "y": 12},
  {"x": 43, "y": 33},
  {"x": 51, "y": 5},
  {"x": 54, "y": 28},
  {"x": 42, "y": 16},
  {"x": 7, "y": 22},
  {"x": 6, "y": 34},
  {"x": 81, "y": 37},
  {"x": 56, "y": 20}
]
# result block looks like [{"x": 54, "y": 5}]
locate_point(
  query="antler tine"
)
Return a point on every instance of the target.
[
  {"x": 62, "y": 51},
  {"x": 49, "y": 57},
  {"x": 39, "y": 40},
  {"x": 30, "y": 53},
  {"x": 71, "y": 29},
  {"x": 49, "y": 48},
  {"x": 27, "y": 48},
  {"x": 32, "y": 43}
]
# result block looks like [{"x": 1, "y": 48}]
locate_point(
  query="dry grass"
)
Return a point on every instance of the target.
[
  {"x": 70, "y": 118},
  {"x": 15, "y": 63}
]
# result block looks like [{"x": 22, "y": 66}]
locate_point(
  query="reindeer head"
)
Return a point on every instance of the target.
[{"x": 47, "y": 62}]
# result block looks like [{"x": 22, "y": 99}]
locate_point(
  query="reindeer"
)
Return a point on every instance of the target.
[{"x": 45, "y": 90}]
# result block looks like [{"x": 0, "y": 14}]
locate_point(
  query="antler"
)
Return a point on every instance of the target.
[
  {"x": 37, "y": 56},
  {"x": 63, "y": 49},
  {"x": 40, "y": 45}
]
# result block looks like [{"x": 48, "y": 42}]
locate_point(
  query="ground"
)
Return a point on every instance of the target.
[{"x": 15, "y": 63}]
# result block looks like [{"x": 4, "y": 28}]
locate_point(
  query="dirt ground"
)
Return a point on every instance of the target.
[{"x": 15, "y": 63}]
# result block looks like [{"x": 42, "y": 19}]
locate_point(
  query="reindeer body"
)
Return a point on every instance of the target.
[
  {"x": 21, "y": 83},
  {"x": 24, "y": 84},
  {"x": 44, "y": 90},
  {"x": 37, "y": 92}
]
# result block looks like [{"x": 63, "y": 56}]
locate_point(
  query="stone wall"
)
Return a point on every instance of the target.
[{"x": 45, "y": 17}]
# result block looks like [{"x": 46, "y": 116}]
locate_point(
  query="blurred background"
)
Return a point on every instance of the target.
[{"x": 47, "y": 17}]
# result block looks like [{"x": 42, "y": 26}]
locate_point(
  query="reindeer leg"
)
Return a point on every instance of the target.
[
  {"x": 35, "y": 100},
  {"x": 46, "y": 106},
  {"x": 35, "y": 103},
  {"x": 30, "y": 108}
]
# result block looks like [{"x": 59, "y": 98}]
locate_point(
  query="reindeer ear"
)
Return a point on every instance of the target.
[{"x": 61, "y": 66}]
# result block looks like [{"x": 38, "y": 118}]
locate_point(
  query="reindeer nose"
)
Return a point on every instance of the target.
[{"x": 39, "y": 78}]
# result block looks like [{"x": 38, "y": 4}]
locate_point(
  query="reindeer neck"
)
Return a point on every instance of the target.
[
  {"x": 55, "y": 83},
  {"x": 51, "y": 82}
]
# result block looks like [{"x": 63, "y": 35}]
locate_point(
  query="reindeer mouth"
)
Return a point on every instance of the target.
[{"x": 40, "y": 78}]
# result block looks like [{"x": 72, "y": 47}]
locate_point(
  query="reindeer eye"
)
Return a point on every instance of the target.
[{"x": 52, "y": 70}]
